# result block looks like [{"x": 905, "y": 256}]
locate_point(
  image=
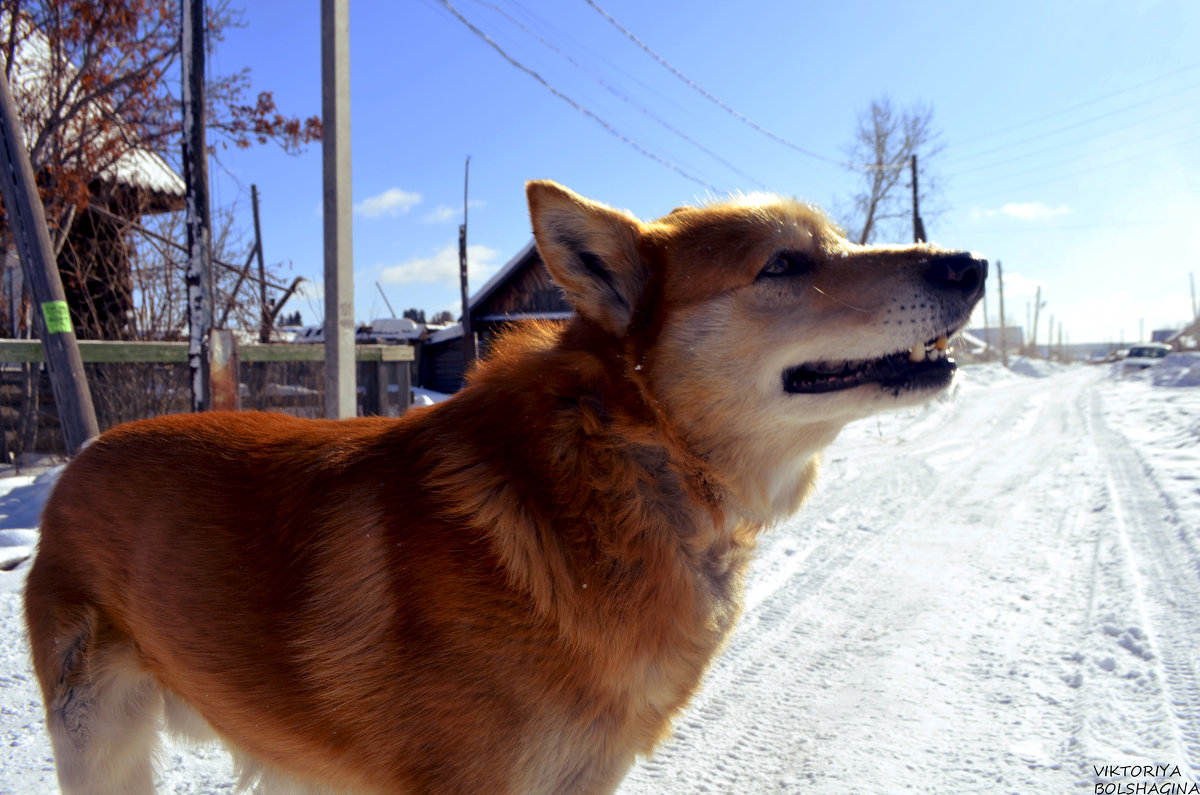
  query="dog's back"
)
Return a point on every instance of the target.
[{"x": 397, "y": 606}]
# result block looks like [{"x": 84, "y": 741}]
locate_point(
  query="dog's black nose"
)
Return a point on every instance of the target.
[{"x": 961, "y": 271}]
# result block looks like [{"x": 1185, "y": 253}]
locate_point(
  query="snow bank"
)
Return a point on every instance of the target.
[
  {"x": 1178, "y": 369},
  {"x": 1034, "y": 368},
  {"x": 427, "y": 397}
]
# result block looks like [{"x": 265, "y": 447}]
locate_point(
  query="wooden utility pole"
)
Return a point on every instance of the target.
[
  {"x": 27, "y": 225},
  {"x": 340, "y": 397},
  {"x": 468, "y": 337},
  {"x": 1003, "y": 325},
  {"x": 199, "y": 226},
  {"x": 1038, "y": 305},
  {"x": 918, "y": 224},
  {"x": 264, "y": 329}
]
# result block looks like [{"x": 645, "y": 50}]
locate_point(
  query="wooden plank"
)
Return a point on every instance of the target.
[
  {"x": 316, "y": 353},
  {"x": 223, "y": 375},
  {"x": 20, "y": 351},
  {"x": 97, "y": 351},
  {"x": 102, "y": 351},
  {"x": 281, "y": 353}
]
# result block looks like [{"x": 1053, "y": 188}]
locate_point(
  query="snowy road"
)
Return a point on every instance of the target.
[
  {"x": 999, "y": 593},
  {"x": 990, "y": 595}
]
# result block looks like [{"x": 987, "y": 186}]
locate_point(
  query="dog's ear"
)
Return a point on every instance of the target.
[{"x": 591, "y": 252}]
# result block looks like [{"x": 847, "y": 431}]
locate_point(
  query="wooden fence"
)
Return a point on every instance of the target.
[{"x": 142, "y": 368}]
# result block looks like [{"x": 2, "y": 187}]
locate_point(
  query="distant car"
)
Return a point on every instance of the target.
[{"x": 1146, "y": 355}]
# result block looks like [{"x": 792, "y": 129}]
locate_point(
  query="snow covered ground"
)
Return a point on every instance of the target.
[{"x": 996, "y": 593}]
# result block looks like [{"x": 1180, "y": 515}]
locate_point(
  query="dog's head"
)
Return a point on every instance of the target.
[{"x": 757, "y": 327}]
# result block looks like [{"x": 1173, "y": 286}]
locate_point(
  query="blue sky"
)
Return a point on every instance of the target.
[{"x": 1071, "y": 132}]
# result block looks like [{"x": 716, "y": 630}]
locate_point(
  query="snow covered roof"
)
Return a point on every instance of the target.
[
  {"x": 140, "y": 168},
  {"x": 135, "y": 167}
]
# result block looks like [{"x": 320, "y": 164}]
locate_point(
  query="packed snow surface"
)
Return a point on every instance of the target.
[{"x": 999, "y": 592}]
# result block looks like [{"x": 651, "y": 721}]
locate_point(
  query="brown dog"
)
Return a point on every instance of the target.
[{"x": 513, "y": 591}]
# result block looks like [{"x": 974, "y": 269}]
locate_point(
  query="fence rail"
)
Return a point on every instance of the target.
[
  {"x": 134, "y": 380},
  {"x": 103, "y": 351}
]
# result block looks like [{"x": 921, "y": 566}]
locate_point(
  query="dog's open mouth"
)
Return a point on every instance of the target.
[{"x": 928, "y": 366}]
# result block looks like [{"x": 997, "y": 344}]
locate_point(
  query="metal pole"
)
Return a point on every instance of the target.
[
  {"x": 199, "y": 227},
  {"x": 339, "y": 253},
  {"x": 27, "y": 223}
]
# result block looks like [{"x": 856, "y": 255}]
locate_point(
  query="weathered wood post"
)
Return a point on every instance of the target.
[
  {"x": 918, "y": 224},
  {"x": 268, "y": 320},
  {"x": 468, "y": 336},
  {"x": 27, "y": 223}
]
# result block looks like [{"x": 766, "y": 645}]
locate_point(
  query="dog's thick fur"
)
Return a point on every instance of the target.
[{"x": 510, "y": 592}]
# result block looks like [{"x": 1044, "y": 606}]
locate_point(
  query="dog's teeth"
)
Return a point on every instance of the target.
[
  {"x": 916, "y": 353},
  {"x": 942, "y": 343}
]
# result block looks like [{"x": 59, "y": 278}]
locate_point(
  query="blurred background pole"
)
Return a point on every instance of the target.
[
  {"x": 199, "y": 225},
  {"x": 27, "y": 223},
  {"x": 340, "y": 396},
  {"x": 468, "y": 335}
]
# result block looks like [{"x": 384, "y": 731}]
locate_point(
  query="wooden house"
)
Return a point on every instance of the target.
[
  {"x": 94, "y": 262},
  {"x": 521, "y": 290}
]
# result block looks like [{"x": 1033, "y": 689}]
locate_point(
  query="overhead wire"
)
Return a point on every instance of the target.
[
  {"x": 1090, "y": 170},
  {"x": 739, "y": 116},
  {"x": 624, "y": 97},
  {"x": 1076, "y": 141},
  {"x": 606, "y": 125},
  {"x": 577, "y": 45},
  {"x": 1072, "y": 126},
  {"x": 1084, "y": 104}
]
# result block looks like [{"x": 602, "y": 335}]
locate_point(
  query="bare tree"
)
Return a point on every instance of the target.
[
  {"x": 884, "y": 143},
  {"x": 157, "y": 267},
  {"x": 96, "y": 84}
]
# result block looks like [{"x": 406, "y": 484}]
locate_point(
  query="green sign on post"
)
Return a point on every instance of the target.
[{"x": 58, "y": 317}]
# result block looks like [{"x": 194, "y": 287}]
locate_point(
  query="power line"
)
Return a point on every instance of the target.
[
  {"x": 1081, "y": 172},
  {"x": 608, "y": 127},
  {"x": 740, "y": 117},
  {"x": 1075, "y": 142},
  {"x": 1068, "y": 227},
  {"x": 577, "y": 45},
  {"x": 1071, "y": 126},
  {"x": 1084, "y": 104},
  {"x": 624, "y": 97}
]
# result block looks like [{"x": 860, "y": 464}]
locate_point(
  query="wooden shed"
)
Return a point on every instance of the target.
[{"x": 520, "y": 290}]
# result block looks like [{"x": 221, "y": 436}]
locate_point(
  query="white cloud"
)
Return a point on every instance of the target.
[
  {"x": 442, "y": 267},
  {"x": 392, "y": 201},
  {"x": 1023, "y": 211},
  {"x": 1033, "y": 211},
  {"x": 443, "y": 213}
]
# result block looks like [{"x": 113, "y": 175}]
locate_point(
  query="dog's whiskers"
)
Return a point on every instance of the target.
[{"x": 838, "y": 300}]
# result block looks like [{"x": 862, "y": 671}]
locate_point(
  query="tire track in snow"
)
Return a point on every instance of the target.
[
  {"x": 1162, "y": 566},
  {"x": 828, "y": 625}
]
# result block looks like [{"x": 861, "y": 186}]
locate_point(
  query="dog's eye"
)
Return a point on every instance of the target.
[{"x": 785, "y": 263}]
